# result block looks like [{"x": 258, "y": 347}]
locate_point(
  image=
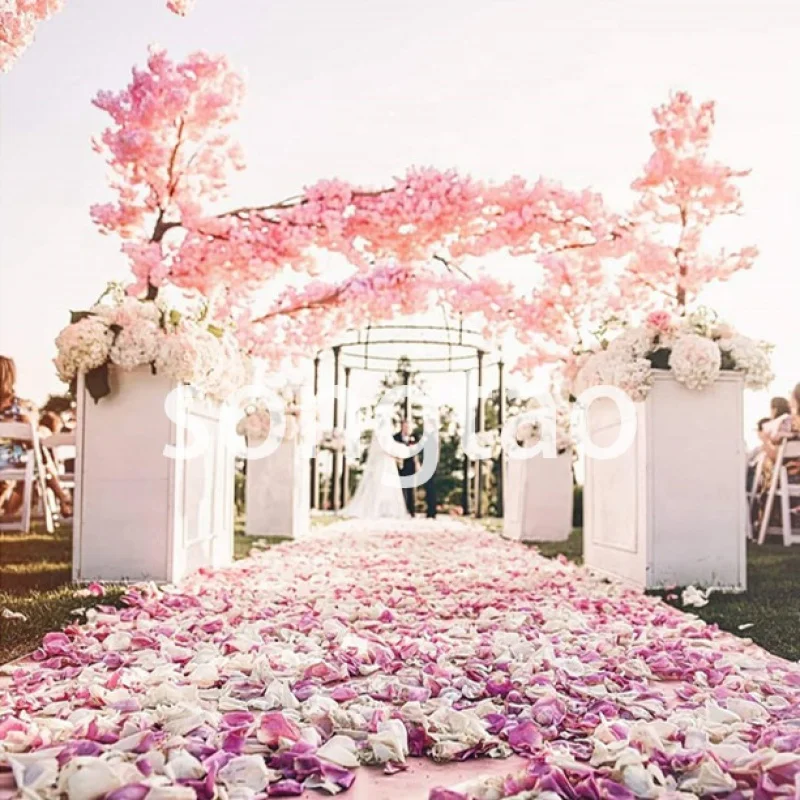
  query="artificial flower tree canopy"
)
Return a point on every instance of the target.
[
  {"x": 414, "y": 241},
  {"x": 170, "y": 150}
]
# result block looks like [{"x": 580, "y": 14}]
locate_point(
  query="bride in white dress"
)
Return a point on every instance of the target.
[{"x": 379, "y": 494}]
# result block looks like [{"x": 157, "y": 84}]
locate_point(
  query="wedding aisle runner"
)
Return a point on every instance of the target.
[{"x": 373, "y": 645}]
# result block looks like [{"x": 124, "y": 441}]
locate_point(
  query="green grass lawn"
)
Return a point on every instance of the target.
[
  {"x": 770, "y": 608},
  {"x": 35, "y": 582}
]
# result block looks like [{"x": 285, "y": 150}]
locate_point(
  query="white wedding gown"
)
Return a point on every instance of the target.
[{"x": 379, "y": 494}]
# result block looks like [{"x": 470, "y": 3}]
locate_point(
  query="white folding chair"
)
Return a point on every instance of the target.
[
  {"x": 62, "y": 446},
  {"x": 57, "y": 448},
  {"x": 20, "y": 432},
  {"x": 753, "y": 494},
  {"x": 785, "y": 491}
]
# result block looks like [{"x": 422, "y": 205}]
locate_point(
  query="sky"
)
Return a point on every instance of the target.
[{"x": 361, "y": 89}]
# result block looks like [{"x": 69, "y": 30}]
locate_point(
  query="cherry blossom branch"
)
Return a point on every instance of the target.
[
  {"x": 451, "y": 267},
  {"x": 290, "y": 202},
  {"x": 308, "y": 305}
]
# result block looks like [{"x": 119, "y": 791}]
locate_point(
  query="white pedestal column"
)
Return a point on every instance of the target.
[
  {"x": 278, "y": 492},
  {"x": 671, "y": 510},
  {"x": 139, "y": 514},
  {"x": 538, "y": 499}
]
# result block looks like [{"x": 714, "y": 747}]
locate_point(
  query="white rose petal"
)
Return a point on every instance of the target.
[
  {"x": 34, "y": 774},
  {"x": 184, "y": 766},
  {"x": 171, "y": 793},
  {"x": 248, "y": 772},
  {"x": 89, "y": 779},
  {"x": 340, "y": 750},
  {"x": 391, "y": 742}
]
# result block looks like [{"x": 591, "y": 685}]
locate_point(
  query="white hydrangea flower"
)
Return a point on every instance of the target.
[
  {"x": 633, "y": 376},
  {"x": 136, "y": 344},
  {"x": 228, "y": 370},
  {"x": 209, "y": 358},
  {"x": 178, "y": 357},
  {"x": 104, "y": 311},
  {"x": 618, "y": 368},
  {"x": 188, "y": 356},
  {"x": 632, "y": 343},
  {"x": 82, "y": 346},
  {"x": 695, "y": 361},
  {"x": 751, "y": 358},
  {"x": 127, "y": 310}
]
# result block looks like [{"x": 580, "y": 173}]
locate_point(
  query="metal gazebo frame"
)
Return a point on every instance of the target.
[{"x": 467, "y": 352}]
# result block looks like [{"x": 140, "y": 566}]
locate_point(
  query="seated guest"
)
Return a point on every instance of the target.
[
  {"x": 781, "y": 427},
  {"x": 15, "y": 453},
  {"x": 754, "y": 453},
  {"x": 779, "y": 410},
  {"x": 50, "y": 423},
  {"x": 785, "y": 422},
  {"x": 12, "y": 453}
]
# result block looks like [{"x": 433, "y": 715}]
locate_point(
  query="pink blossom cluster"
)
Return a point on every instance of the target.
[
  {"x": 18, "y": 21},
  {"x": 682, "y": 192},
  {"x": 168, "y": 147},
  {"x": 20, "y": 18},
  {"x": 300, "y": 319},
  {"x": 576, "y": 294},
  {"x": 367, "y": 647}
]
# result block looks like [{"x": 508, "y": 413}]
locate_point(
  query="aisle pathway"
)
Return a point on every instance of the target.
[{"x": 368, "y": 645}]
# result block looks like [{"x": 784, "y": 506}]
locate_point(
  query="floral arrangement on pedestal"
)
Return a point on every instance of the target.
[
  {"x": 128, "y": 333},
  {"x": 256, "y": 422},
  {"x": 529, "y": 431},
  {"x": 695, "y": 348}
]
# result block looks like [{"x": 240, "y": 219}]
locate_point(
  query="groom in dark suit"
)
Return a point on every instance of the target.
[{"x": 408, "y": 466}]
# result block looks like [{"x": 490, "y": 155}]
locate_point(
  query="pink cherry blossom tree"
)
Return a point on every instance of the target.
[
  {"x": 170, "y": 152},
  {"x": 20, "y": 18},
  {"x": 682, "y": 193}
]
